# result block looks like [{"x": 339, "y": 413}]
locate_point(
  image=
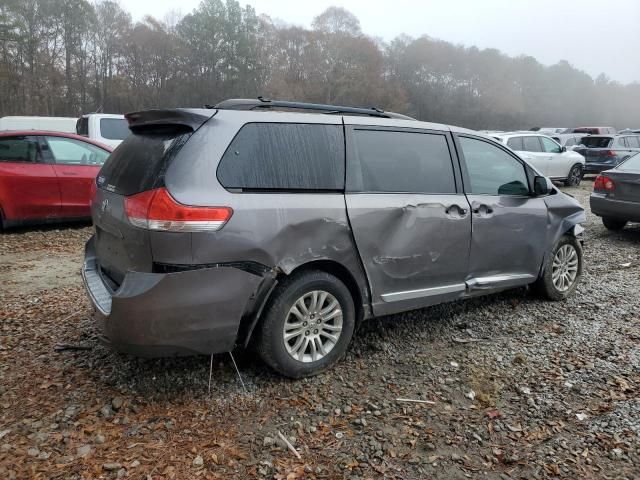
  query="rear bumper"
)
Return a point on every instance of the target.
[
  {"x": 602, "y": 206},
  {"x": 593, "y": 167},
  {"x": 156, "y": 315}
]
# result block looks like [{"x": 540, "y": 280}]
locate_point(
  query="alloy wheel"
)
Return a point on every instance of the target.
[
  {"x": 575, "y": 175},
  {"x": 565, "y": 268},
  {"x": 313, "y": 326}
]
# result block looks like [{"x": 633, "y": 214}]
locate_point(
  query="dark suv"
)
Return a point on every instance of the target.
[
  {"x": 602, "y": 152},
  {"x": 243, "y": 224}
]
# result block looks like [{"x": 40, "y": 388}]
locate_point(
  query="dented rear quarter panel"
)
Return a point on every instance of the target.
[{"x": 280, "y": 230}]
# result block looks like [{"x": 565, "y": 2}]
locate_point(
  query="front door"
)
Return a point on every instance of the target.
[
  {"x": 509, "y": 226},
  {"x": 535, "y": 155},
  {"x": 28, "y": 186},
  {"x": 559, "y": 163},
  {"x": 410, "y": 220},
  {"x": 76, "y": 164}
]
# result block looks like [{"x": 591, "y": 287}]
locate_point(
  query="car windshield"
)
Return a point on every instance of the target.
[
  {"x": 632, "y": 164},
  {"x": 114, "y": 128},
  {"x": 596, "y": 142}
]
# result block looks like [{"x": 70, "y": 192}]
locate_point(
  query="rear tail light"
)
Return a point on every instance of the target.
[
  {"x": 604, "y": 183},
  {"x": 158, "y": 210},
  {"x": 610, "y": 153}
]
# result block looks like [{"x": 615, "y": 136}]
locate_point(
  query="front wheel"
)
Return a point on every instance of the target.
[
  {"x": 308, "y": 324},
  {"x": 575, "y": 176},
  {"x": 563, "y": 270}
]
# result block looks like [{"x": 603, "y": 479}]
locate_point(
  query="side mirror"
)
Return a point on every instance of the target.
[
  {"x": 563, "y": 149},
  {"x": 542, "y": 186}
]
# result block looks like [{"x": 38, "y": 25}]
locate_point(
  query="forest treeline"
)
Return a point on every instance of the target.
[{"x": 68, "y": 57}]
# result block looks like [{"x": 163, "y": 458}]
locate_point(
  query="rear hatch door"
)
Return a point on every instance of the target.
[
  {"x": 137, "y": 165},
  {"x": 596, "y": 149}
]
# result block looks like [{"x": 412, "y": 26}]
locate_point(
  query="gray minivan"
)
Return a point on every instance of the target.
[{"x": 245, "y": 225}]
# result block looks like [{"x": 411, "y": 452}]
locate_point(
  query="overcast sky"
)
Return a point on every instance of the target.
[{"x": 593, "y": 35}]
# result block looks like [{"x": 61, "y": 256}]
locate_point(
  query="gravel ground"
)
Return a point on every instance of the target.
[{"x": 521, "y": 388}]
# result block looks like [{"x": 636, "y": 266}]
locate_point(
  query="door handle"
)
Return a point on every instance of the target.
[
  {"x": 483, "y": 210},
  {"x": 461, "y": 211},
  {"x": 70, "y": 174}
]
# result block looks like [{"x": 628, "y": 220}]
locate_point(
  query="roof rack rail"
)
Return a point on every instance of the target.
[{"x": 264, "y": 103}]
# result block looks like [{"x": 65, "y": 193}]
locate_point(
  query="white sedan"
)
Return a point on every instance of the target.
[{"x": 546, "y": 155}]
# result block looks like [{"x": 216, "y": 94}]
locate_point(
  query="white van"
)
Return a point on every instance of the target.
[
  {"x": 52, "y": 124},
  {"x": 109, "y": 129}
]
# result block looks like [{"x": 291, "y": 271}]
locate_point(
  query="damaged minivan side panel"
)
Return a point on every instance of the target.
[
  {"x": 409, "y": 216},
  {"x": 279, "y": 229},
  {"x": 565, "y": 216}
]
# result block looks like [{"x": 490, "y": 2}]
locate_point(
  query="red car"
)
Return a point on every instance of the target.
[{"x": 47, "y": 176}]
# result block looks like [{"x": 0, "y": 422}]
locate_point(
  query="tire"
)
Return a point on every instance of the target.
[
  {"x": 278, "y": 320},
  {"x": 575, "y": 176},
  {"x": 613, "y": 223},
  {"x": 550, "y": 285}
]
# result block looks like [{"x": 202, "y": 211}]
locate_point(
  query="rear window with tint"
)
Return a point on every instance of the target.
[
  {"x": 284, "y": 156},
  {"x": 630, "y": 165},
  {"x": 393, "y": 161},
  {"x": 597, "y": 142},
  {"x": 114, "y": 128},
  {"x": 140, "y": 162}
]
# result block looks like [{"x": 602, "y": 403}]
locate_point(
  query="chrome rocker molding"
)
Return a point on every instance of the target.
[{"x": 479, "y": 283}]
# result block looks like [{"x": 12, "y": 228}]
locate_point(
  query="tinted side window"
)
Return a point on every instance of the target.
[
  {"x": 82, "y": 126},
  {"x": 396, "y": 161},
  {"x": 515, "y": 143},
  {"x": 492, "y": 171},
  {"x": 632, "y": 142},
  {"x": 20, "y": 149},
  {"x": 114, "y": 128},
  {"x": 570, "y": 142},
  {"x": 284, "y": 156},
  {"x": 531, "y": 144}
]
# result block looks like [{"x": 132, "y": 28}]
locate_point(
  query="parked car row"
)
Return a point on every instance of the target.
[{"x": 546, "y": 155}]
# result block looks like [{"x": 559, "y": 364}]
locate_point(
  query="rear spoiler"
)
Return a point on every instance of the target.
[{"x": 189, "y": 118}]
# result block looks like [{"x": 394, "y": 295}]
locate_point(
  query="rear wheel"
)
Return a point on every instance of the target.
[
  {"x": 613, "y": 223},
  {"x": 308, "y": 324},
  {"x": 575, "y": 176},
  {"x": 562, "y": 271}
]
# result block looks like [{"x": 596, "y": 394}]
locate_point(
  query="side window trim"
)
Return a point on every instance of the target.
[
  {"x": 466, "y": 181},
  {"x": 352, "y": 160}
]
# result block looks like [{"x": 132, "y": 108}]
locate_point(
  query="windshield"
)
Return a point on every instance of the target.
[
  {"x": 114, "y": 128},
  {"x": 596, "y": 142}
]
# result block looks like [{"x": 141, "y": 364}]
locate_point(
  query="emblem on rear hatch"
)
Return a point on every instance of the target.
[{"x": 105, "y": 204}]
